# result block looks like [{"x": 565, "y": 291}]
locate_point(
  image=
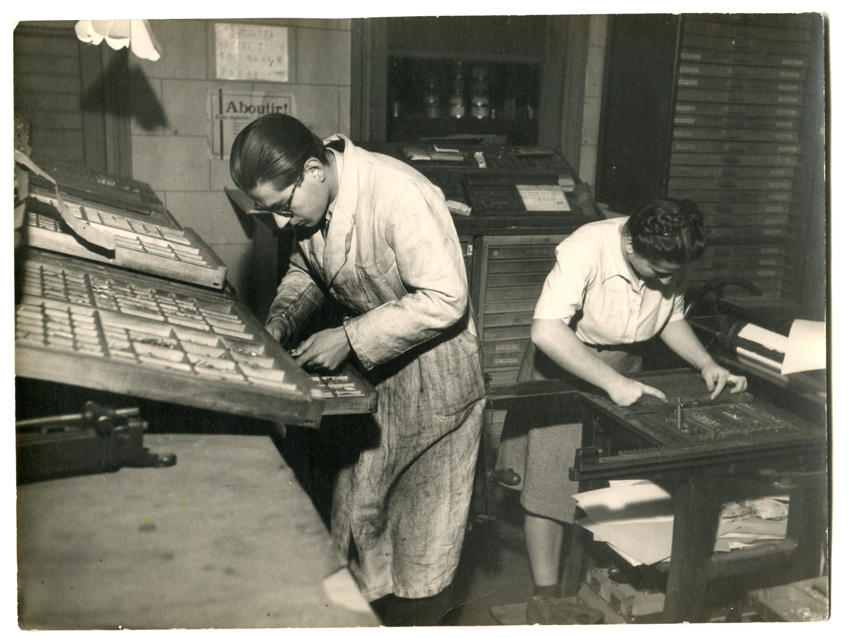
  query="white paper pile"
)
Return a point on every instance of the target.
[{"x": 635, "y": 518}]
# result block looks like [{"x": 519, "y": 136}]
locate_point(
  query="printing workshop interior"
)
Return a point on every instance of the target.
[{"x": 283, "y": 352}]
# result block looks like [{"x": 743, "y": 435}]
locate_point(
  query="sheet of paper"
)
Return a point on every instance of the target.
[
  {"x": 764, "y": 337},
  {"x": 645, "y": 541},
  {"x": 543, "y": 197},
  {"x": 805, "y": 347},
  {"x": 640, "y": 501}
]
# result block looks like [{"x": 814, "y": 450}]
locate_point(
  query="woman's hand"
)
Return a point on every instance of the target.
[
  {"x": 716, "y": 377},
  {"x": 628, "y": 391},
  {"x": 325, "y": 350}
]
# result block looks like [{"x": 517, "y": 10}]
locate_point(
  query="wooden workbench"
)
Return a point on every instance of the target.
[{"x": 224, "y": 539}]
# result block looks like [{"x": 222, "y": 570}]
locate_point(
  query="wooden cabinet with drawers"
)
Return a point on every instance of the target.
[
  {"x": 727, "y": 110},
  {"x": 506, "y": 281}
]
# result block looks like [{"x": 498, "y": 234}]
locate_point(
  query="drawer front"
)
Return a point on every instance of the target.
[
  {"x": 509, "y": 305},
  {"x": 505, "y": 346},
  {"x": 723, "y": 250},
  {"x": 737, "y": 261},
  {"x": 783, "y": 60},
  {"x": 689, "y": 120},
  {"x": 752, "y": 233},
  {"x": 732, "y": 196},
  {"x": 500, "y": 253},
  {"x": 729, "y": 183},
  {"x": 690, "y": 94},
  {"x": 514, "y": 280},
  {"x": 785, "y": 29},
  {"x": 739, "y": 84},
  {"x": 506, "y": 332},
  {"x": 502, "y": 360},
  {"x": 498, "y": 377},
  {"x": 715, "y": 219},
  {"x": 714, "y": 146},
  {"x": 736, "y": 134},
  {"x": 745, "y": 45},
  {"x": 699, "y": 69},
  {"x": 732, "y": 172},
  {"x": 683, "y": 109},
  {"x": 694, "y": 158},
  {"x": 506, "y": 319}
]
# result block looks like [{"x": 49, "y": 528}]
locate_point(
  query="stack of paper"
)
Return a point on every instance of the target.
[{"x": 635, "y": 518}]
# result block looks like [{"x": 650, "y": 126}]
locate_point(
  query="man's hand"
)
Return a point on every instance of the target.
[
  {"x": 276, "y": 328},
  {"x": 325, "y": 350},
  {"x": 628, "y": 391},
  {"x": 716, "y": 378}
]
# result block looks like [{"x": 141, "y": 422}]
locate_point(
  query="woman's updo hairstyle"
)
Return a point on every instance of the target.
[
  {"x": 667, "y": 230},
  {"x": 273, "y": 150}
]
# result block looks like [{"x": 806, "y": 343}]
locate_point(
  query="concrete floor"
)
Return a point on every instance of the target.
[{"x": 494, "y": 569}]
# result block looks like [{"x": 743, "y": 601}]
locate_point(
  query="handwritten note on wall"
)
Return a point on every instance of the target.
[{"x": 252, "y": 52}]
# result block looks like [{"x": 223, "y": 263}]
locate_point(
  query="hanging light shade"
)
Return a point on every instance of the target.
[{"x": 135, "y": 34}]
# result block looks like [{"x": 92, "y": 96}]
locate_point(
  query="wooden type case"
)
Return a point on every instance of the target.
[
  {"x": 175, "y": 253},
  {"x": 736, "y": 431},
  {"x": 99, "y": 327}
]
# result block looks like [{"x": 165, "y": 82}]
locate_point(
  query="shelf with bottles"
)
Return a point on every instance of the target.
[{"x": 437, "y": 97}]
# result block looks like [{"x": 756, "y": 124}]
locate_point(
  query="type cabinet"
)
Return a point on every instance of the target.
[{"x": 726, "y": 111}]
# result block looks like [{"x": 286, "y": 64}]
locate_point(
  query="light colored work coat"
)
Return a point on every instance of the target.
[{"x": 392, "y": 258}]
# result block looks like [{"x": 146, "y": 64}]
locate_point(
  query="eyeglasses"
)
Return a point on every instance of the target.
[{"x": 283, "y": 209}]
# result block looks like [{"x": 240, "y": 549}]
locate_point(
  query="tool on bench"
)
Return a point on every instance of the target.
[{"x": 99, "y": 439}]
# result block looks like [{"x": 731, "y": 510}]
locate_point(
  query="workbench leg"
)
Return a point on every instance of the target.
[
  {"x": 572, "y": 576},
  {"x": 696, "y": 521},
  {"x": 808, "y": 524}
]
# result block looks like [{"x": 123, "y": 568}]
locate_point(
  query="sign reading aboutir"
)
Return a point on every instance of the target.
[{"x": 231, "y": 111}]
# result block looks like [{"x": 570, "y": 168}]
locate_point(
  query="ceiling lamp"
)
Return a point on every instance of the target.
[{"x": 135, "y": 34}]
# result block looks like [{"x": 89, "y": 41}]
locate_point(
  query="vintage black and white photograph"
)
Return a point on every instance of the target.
[{"x": 450, "y": 321}]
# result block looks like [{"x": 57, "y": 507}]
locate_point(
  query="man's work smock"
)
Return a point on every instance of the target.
[{"x": 392, "y": 258}]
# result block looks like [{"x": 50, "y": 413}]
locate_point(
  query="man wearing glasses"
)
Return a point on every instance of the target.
[{"x": 376, "y": 236}]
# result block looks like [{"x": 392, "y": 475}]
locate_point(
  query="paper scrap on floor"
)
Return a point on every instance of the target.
[{"x": 635, "y": 518}]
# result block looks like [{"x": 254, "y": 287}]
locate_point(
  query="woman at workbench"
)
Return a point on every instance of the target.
[
  {"x": 616, "y": 283},
  {"x": 376, "y": 236}
]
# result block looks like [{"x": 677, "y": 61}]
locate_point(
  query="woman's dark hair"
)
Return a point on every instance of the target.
[
  {"x": 273, "y": 150},
  {"x": 667, "y": 230}
]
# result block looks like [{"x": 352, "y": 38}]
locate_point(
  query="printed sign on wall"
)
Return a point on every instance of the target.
[
  {"x": 231, "y": 111},
  {"x": 252, "y": 52}
]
